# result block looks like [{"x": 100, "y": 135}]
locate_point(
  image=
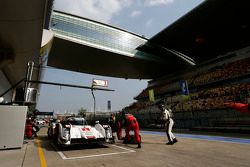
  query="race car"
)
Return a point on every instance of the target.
[{"x": 75, "y": 130}]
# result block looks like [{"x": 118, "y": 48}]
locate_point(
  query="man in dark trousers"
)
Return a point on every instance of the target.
[
  {"x": 112, "y": 124},
  {"x": 167, "y": 116}
]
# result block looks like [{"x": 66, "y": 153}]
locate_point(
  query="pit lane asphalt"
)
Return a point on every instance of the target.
[{"x": 191, "y": 150}]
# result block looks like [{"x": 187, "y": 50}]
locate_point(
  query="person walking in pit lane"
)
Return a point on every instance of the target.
[
  {"x": 131, "y": 124},
  {"x": 167, "y": 116}
]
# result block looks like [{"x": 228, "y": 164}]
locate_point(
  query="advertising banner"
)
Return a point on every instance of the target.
[
  {"x": 184, "y": 87},
  {"x": 151, "y": 95},
  {"x": 98, "y": 82}
]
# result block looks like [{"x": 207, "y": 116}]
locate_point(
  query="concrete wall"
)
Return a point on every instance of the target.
[{"x": 224, "y": 119}]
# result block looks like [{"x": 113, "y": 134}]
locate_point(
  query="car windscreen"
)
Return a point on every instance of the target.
[{"x": 77, "y": 122}]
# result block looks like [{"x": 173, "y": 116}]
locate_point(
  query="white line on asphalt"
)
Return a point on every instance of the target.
[
  {"x": 61, "y": 155},
  {"x": 123, "y": 148},
  {"x": 95, "y": 155}
]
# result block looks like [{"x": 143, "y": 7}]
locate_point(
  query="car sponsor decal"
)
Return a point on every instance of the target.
[
  {"x": 88, "y": 133},
  {"x": 85, "y": 129}
]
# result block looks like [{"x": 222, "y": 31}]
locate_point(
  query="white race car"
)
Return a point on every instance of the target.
[{"x": 75, "y": 130}]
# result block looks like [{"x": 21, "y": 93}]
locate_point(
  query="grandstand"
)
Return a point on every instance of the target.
[{"x": 225, "y": 78}]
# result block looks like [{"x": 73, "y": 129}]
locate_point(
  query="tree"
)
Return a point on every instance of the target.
[{"x": 82, "y": 112}]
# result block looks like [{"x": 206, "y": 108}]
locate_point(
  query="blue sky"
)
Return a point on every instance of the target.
[{"x": 143, "y": 17}]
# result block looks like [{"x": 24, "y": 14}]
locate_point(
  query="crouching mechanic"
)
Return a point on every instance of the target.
[
  {"x": 167, "y": 116},
  {"x": 131, "y": 124}
]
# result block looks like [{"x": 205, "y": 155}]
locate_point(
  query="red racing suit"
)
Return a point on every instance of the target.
[{"x": 131, "y": 124}]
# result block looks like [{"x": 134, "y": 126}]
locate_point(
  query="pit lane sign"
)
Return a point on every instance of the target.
[{"x": 98, "y": 82}]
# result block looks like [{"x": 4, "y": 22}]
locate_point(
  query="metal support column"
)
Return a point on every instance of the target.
[
  {"x": 29, "y": 72},
  {"x": 92, "y": 92}
]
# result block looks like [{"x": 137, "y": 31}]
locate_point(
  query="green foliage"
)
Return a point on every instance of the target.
[{"x": 82, "y": 112}]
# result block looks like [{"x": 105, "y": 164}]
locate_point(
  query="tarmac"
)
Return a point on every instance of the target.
[{"x": 194, "y": 150}]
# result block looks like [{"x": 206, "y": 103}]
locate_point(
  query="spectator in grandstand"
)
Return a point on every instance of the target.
[{"x": 167, "y": 115}]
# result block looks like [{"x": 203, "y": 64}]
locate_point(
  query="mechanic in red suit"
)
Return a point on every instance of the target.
[
  {"x": 131, "y": 124},
  {"x": 244, "y": 108}
]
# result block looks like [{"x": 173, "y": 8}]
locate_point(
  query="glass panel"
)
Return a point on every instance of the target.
[{"x": 95, "y": 33}]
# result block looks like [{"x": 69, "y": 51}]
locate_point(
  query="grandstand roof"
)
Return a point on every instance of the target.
[{"x": 211, "y": 29}]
